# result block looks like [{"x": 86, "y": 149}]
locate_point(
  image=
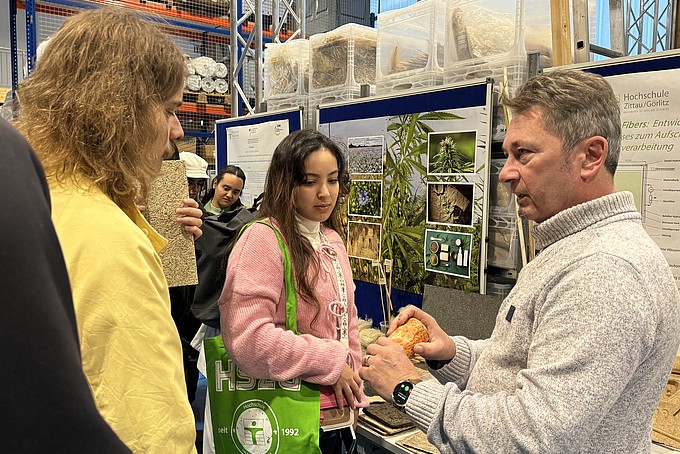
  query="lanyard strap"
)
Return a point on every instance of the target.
[{"x": 342, "y": 291}]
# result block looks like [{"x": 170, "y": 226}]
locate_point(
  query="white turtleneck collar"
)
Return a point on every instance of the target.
[{"x": 310, "y": 230}]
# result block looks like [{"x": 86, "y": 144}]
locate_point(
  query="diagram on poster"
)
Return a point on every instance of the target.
[
  {"x": 631, "y": 176},
  {"x": 649, "y": 164},
  {"x": 251, "y": 147}
]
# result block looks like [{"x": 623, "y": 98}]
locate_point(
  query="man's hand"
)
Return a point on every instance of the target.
[
  {"x": 440, "y": 347},
  {"x": 190, "y": 217},
  {"x": 385, "y": 365}
]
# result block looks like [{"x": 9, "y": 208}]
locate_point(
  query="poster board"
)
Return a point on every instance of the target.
[
  {"x": 249, "y": 143},
  {"x": 419, "y": 168},
  {"x": 649, "y": 163}
]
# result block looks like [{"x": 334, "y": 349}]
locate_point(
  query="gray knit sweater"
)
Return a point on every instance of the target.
[{"x": 581, "y": 350}]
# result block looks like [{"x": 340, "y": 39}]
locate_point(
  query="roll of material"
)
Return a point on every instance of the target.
[
  {"x": 221, "y": 71},
  {"x": 193, "y": 82},
  {"x": 204, "y": 66},
  {"x": 221, "y": 86},
  {"x": 208, "y": 84}
]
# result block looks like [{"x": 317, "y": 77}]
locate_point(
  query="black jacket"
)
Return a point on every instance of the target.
[
  {"x": 47, "y": 405},
  {"x": 212, "y": 250}
]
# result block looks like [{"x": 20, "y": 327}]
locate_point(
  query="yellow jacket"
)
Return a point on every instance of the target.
[{"x": 130, "y": 347}]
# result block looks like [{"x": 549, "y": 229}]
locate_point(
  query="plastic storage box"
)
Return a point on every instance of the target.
[
  {"x": 341, "y": 61},
  {"x": 294, "y": 102},
  {"x": 487, "y": 38},
  {"x": 503, "y": 251},
  {"x": 411, "y": 45},
  {"x": 537, "y": 28},
  {"x": 501, "y": 199},
  {"x": 287, "y": 103},
  {"x": 498, "y": 289},
  {"x": 286, "y": 69}
]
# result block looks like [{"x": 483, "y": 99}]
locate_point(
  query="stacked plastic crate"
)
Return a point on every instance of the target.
[
  {"x": 341, "y": 61},
  {"x": 286, "y": 74},
  {"x": 491, "y": 38},
  {"x": 503, "y": 251},
  {"x": 411, "y": 45}
]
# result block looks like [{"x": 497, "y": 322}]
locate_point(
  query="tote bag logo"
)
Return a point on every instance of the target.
[{"x": 255, "y": 429}]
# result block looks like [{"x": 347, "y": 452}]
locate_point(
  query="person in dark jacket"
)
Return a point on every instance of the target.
[
  {"x": 225, "y": 194},
  {"x": 47, "y": 402},
  {"x": 223, "y": 217}
]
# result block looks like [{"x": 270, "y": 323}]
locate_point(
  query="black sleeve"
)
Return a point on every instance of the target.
[{"x": 47, "y": 403}]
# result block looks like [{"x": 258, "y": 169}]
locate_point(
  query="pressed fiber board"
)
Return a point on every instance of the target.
[
  {"x": 386, "y": 414},
  {"x": 417, "y": 443},
  {"x": 165, "y": 196}
]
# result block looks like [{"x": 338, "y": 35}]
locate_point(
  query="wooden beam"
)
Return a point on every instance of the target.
[{"x": 561, "y": 32}]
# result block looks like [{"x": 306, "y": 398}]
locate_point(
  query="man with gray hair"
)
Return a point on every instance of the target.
[{"x": 583, "y": 345}]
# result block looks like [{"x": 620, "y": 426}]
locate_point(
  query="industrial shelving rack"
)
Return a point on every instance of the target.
[{"x": 196, "y": 34}]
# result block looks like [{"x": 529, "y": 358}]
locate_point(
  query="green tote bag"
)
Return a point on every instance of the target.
[{"x": 261, "y": 416}]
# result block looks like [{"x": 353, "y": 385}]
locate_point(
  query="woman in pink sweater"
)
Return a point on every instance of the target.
[{"x": 306, "y": 176}]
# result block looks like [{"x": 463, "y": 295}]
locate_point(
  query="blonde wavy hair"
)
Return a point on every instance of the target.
[{"x": 94, "y": 106}]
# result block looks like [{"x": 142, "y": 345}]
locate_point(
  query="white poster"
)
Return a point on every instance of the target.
[
  {"x": 649, "y": 165},
  {"x": 251, "y": 148}
]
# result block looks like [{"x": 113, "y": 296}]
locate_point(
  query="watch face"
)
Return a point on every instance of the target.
[{"x": 401, "y": 393}]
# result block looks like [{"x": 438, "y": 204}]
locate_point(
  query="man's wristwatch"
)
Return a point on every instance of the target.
[{"x": 401, "y": 394}]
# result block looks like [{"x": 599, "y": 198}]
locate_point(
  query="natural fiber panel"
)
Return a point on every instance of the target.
[
  {"x": 165, "y": 196},
  {"x": 380, "y": 428},
  {"x": 418, "y": 443},
  {"x": 666, "y": 421},
  {"x": 387, "y": 415}
]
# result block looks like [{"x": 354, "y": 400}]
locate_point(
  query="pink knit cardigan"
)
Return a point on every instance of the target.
[{"x": 253, "y": 314}]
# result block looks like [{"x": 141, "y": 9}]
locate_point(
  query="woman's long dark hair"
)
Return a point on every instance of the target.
[
  {"x": 287, "y": 172},
  {"x": 233, "y": 170}
]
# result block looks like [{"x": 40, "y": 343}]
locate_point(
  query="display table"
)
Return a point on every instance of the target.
[{"x": 370, "y": 442}]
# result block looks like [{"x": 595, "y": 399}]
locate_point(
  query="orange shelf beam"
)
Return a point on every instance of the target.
[
  {"x": 203, "y": 109},
  {"x": 159, "y": 9}
]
